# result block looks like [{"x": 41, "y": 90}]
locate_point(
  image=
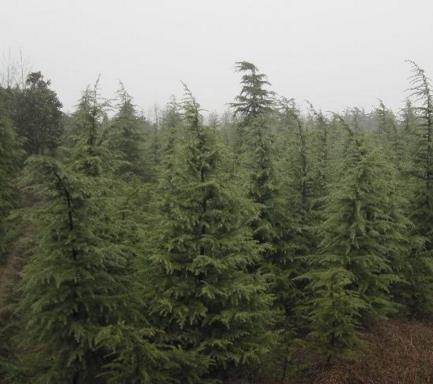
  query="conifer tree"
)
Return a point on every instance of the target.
[
  {"x": 11, "y": 155},
  {"x": 300, "y": 189},
  {"x": 171, "y": 120},
  {"x": 154, "y": 147},
  {"x": 322, "y": 157},
  {"x": 253, "y": 106},
  {"x": 172, "y": 131},
  {"x": 294, "y": 239},
  {"x": 80, "y": 307},
  {"x": 355, "y": 116},
  {"x": 262, "y": 181},
  {"x": 363, "y": 252},
  {"x": 212, "y": 309},
  {"x": 364, "y": 230},
  {"x": 334, "y": 312},
  {"x": 408, "y": 133},
  {"x": 126, "y": 137},
  {"x": 389, "y": 135},
  {"x": 421, "y": 271},
  {"x": 37, "y": 115},
  {"x": 254, "y": 99},
  {"x": 409, "y": 120},
  {"x": 89, "y": 121},
  {"x": 383, "y": 122},
  {"x": 276, "y": 225}
]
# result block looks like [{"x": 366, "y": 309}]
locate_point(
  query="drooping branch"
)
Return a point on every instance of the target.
[{"x": 68, "y": 200}]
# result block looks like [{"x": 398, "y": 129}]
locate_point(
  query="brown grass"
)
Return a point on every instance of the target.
[{"x": 398, "y": 353}]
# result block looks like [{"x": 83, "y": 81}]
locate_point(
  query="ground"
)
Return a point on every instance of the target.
[{"x": 396, "y": 352}]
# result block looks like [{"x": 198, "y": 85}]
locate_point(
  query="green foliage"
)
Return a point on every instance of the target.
[
  {"x": 299, "y": 176},
  {"x": 253, "y": 102},
  {"x": 11, "y": 156},
  {"x": 191, "y": 249},
  {"x": 321, "y": 153},
  {"x": 420, "y": 273},
  {"x": 171, "y": 127},
  {"x": 79, "y": 280},
  {"x": 262, "y": 183},
  {"x": 254, "y": 105},
  {"x": 254, "y": 99},
  {"x": 37, "y": 115},
  {"x": 90, "y": 118},
  {"x": 80, "y": 306},
  {"x": 334, "y": 312},
  {"x": 126, "y": 138},
  {"x": 389, "y": 135},
  {"x": 364, "y": 231},
  {"x": 210, "y": 306}
]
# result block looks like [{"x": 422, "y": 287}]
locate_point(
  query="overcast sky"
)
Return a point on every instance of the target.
[{"x": 335, "y": 53}]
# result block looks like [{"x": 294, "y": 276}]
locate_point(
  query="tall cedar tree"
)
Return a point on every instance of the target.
[
  {"x": 389, "y": 134},
  {"x": 79, "y": 308},
  {"x": 364, "y": 231},
  {"x": 250, "y": 108},
  {"x": 11, "y": 155},
  {"x": 214, "y": 311},
  {"x": 420, "y": 275},
  {"x": 254, "y": 100},
  {"x": 294, "y": 240},
  {"x": 154, "y": 147},
  {"x": 170, "y": 126},
  {"x": 253, "y": 106},
  {"x": 335, "y": 311},
  {"x": 126, "y": 137},
  {"x": 322, "y": 172},
  {"x": 298, "y": 177},
  {"x": 37, "y": 115},
  {"x": 362, "y": 254},
  {"x": 275, "y": 226}
]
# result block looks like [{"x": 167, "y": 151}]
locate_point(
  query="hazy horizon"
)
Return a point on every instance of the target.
[{"x": 336, "y": 54}]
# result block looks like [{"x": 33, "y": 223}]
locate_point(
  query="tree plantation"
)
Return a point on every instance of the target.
[{"x": 265, "y": 245}]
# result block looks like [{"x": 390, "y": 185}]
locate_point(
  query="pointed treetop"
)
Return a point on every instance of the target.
[{"x": 254, "y": 99}]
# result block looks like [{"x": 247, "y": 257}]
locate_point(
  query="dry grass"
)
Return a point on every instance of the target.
[{"x": 398, "y": 353}]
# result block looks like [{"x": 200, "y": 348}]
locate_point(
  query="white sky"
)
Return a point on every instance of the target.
[{"x": 335, "y": 53}]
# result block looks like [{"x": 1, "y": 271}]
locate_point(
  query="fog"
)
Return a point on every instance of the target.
[{"x": 334, "y": 53}]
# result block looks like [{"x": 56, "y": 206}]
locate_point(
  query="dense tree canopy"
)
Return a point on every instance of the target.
[{"x": 201, "y": 249}]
